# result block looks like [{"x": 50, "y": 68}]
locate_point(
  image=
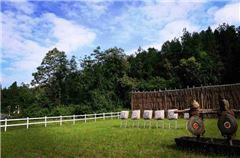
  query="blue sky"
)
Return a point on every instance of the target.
[{"x": 30, "y": 29}]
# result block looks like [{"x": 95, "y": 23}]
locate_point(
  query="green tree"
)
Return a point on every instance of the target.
[
  {"x": 51, "y": 75},
  {"x": 189, "y": 71},
  {"x": 17, "y": 97},
  {"x": 228, "y": 40},
  {"x": 72, "y": 82}
]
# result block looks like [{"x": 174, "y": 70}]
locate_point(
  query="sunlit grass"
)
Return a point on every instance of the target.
[{"x": 103, "y": 138}]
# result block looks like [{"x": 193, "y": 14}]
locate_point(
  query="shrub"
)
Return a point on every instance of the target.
[
  {"x": 36, "y": 111},
  {"x": 62, "y": 110},
  {"x": 82, "y": 109}
]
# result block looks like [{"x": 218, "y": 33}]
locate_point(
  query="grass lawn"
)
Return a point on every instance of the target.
[{"x": 103, "y": 138}]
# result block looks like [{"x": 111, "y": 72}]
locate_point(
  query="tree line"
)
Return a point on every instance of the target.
[{"x": 102, "y": 81}]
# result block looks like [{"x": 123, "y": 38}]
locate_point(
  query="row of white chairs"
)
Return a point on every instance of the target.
[{"x": 148, "y": 114}]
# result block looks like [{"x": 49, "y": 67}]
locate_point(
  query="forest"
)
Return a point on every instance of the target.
[{"x": 102, "y": 81}]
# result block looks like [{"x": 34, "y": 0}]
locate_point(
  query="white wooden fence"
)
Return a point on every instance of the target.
[{"x": 56, "y": 119}]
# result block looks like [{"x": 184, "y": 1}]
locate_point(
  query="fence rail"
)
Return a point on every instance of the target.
[{"x": 56, "y": 119}]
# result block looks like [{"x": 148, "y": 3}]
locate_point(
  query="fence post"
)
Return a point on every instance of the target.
[
  {"x": 27, "y": 122},
  {"x": 5, "y": 129},
  {"x": 111, "y": 115},
  {"x": 45, "y": 121},
  {"x": 103, "y": 116},
  {"x": 85, "y": 118},
  {"x": 202, "y": 105},
  {"x": 95, "y": 117},
  {"x": 74, "y": 119},
  {"x": 60, "y": 120}
]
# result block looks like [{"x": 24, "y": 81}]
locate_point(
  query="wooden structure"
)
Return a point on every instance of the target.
[
  {"x": 207, "y": 96},
  {"x": 211, "y": 146}
]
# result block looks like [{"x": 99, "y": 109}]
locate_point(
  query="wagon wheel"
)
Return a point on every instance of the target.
[
  {"x": 196, "y": 126},
  {"x": 227, "y": 124}
]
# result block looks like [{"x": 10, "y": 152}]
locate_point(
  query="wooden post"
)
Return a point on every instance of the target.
[
  {"x": 142, "y": 102},
  {"x": 111, "y": 115},
  {"x": 45, "y": 121},
  {"x": 85, "y": 118},
  {"x": 60, "y": 120},
  {"x": 132, "y": 100},
  {"x": 27, "y": 122},
  {"x": 5, "y": 128},
  {"x": 175, "y": 101},
  {"x": 74, "y": 119},
  {"x": 103, "y": 116},
  {"x": 165, "y": 101},
  {"x": 95, "y": 117}
]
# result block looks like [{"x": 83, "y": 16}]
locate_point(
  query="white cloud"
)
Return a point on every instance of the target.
[
  {"x": 69, "y": 35},
  {"x": 96, "y": 8},
  {"x": 230, "y": 14},
  {"x": 175, "y": 28},
  {"x": 92, "y": 10},
  {"x": 156, "y": 22},
  {"x": 22, "y": 6},
  {"x": 170, "y": 31},
  {"x": 168, "y": 11},
  {"x": 171, "y": 17},
  {"x": 16, "y": 37},
  {"x": 26, "y": 39}
]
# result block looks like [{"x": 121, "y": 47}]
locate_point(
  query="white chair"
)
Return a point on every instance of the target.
[
  {"x": 186, "y": 115},
  {"x": 159, "y": 115},
  {"x": 172, "y": 116},
  {"x": 147, "y": 115},
  {"x": 135, "y": 116},
  {"x": 124, "y": 116}
]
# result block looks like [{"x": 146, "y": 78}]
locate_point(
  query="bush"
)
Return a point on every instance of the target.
[
  {"x": 82, "y": 109},
  {"x": 36, "y": 111},
  {"x": 62, "y": 110},
  {"x": 86, "y": 108}
]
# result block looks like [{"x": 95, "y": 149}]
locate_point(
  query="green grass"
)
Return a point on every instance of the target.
[{"x": 99, "y": 139}]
